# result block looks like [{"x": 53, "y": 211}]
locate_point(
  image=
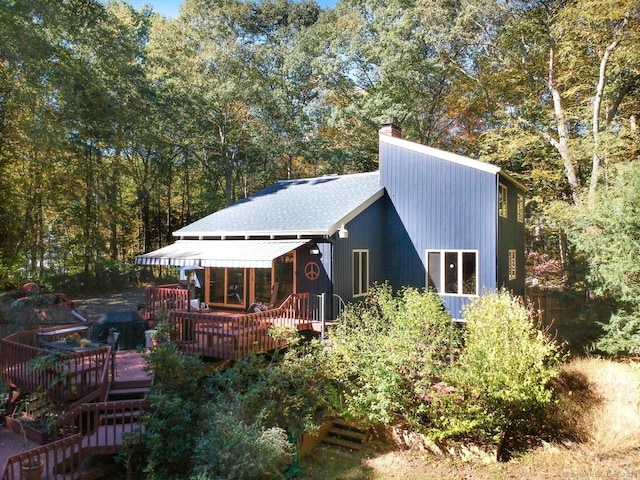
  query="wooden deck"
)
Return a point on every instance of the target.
[{"x": 227, "y": 335}]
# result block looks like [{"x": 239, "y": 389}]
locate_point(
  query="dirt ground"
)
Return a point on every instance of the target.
[{"x": 94, "y": 306}]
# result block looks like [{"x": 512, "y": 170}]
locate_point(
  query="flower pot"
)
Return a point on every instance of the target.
[{"x": 31, "y": 469}]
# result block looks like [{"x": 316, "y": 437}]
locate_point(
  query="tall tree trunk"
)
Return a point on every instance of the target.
[
  {"x": 597, "y": 106},
  {"x": 561, "y": 144}
]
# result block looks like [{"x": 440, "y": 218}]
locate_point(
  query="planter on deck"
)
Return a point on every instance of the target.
[{"x": 34, "y": 434}]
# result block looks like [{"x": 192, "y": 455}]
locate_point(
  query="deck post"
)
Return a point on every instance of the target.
[{"x": 323, "y": 316}]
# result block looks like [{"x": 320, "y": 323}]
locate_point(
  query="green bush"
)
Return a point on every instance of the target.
[
  {"x": 501, "y": 382},
  {"x": 389, "y": 350},
  {"x": 231, "y": 449},
  {"x": 175, "y": 416}
]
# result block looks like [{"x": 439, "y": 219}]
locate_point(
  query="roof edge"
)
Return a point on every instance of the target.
[
  {"x": 443, "y": 154},
  {"x": 357, "y": 211}
]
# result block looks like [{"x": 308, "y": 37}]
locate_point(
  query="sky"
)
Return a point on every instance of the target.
[{"x": 169, "y": 8}]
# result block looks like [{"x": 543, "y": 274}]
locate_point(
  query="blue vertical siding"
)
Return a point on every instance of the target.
[
  {"x": 442, "y": 205},
  {"x": 365, "y": 233}
]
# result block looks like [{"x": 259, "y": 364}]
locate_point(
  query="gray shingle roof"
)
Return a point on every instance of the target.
[{"x": 304, "y": 207}]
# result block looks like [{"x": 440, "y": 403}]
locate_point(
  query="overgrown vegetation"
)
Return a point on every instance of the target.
[
  {"x": 397, "y": 357},
  {"x": 501, "y": 383},
  {"x": 605, "y": 229},
  {"x": 592, "y": 430},
  {"x": 240, "y": 423},
  {"x": 389, "y": 350}
]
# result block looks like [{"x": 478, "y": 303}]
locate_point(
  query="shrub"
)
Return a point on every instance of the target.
[
  {"x": 389, "y": 350},
  {"x": 231, "y": 449},
  {"x": 501, "y": 382},
  {"x": 174, "y": 420}
]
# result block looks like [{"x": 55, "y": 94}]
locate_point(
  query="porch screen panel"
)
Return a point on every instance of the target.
[
  {"x": 235, "y": 286},
  {"x": 262, "y": 284},
  {"x": 284, "y": 276},
  {"x": 217, "y": 287}
]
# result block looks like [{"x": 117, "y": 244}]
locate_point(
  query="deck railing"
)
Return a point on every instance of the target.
[
  {"x": 233, "y": 336},
  {"x": 72, "y": 376},
  {"x": 58, "y": 459},
  {"x": 99, "y": 428},
  {"x": 165, "y": 298}
]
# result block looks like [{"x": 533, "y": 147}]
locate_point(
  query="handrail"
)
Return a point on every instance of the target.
[
  {"x": 76, "y": 374},
  {"x": 166, "y": 297},
  {"x": 56, "y": 458},
  {"x": 61, "y": 426}
]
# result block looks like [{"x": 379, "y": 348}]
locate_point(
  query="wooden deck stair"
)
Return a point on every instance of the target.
[
  {"x": 345, "y": 435},
  {"x": 128, "y": 390}
]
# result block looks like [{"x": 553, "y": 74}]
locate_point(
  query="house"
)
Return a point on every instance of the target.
[{"x": 426, "y": 218}]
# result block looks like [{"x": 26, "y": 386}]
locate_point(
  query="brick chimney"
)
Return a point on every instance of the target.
[{"x": 391, "y": 130}]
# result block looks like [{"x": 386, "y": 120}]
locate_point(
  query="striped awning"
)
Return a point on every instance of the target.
[{"x": 220, "y": 253}]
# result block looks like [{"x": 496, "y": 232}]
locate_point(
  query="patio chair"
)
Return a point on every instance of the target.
[{"x": 261, "y": 305}]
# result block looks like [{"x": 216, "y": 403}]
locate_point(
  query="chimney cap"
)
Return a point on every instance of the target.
[{"x": 391, "y": 129}]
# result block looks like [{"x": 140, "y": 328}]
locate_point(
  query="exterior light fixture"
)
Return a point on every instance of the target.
[
  {"x": 314, "y": 249},
  {"x": 343, "y": 232}
]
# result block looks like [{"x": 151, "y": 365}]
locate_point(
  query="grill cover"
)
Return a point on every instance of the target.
[{"x": 129, "y": 324}]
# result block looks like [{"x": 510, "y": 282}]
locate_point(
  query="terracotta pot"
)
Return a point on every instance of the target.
[{"x": 31, "y": 470}]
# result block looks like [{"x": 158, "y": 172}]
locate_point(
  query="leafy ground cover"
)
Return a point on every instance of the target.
[{"x": 600, "y": 405}]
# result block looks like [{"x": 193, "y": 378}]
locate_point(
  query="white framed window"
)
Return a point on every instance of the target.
[
  {"x": 453, "y": 272},
  {"x": 503, "y": 209},
  {"x": 520, "y": 212},
  {"x": 513, "y": 267},
  {"x": 360, "y": 272}
]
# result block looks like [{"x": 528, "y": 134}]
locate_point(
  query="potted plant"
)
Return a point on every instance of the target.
[
  {"x": 32, "y": 468},
  {"x": 161, "y": 334},
  {"x": 76, "y": 340}
]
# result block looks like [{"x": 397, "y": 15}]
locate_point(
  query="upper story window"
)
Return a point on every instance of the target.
[
  {"x": 520, "y": 212},
  {"x": 360, "y": 272},
  {"x": 503, "y": 210},
  {"x": 453, "y": 272}
]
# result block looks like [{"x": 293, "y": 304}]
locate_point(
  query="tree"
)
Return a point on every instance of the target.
[
  {"x": 564, "y": 72},
  {"x": 605, "y": 231},
  {"x": 377, "y": 63}
]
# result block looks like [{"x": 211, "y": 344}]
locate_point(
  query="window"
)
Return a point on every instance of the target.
[
  {"x": 513, "y": 271},
  {"x": 360, "y": 272},
  {"x": 520, "y": 212},
  {"x": 452, "y": 272},
  {"x": 502, "y": 201}
]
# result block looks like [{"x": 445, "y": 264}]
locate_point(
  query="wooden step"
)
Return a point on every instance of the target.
[
  {"x": 348, "y": 434},
  {"x": 340, "y": 442},
  {"x": 127, "y": 393},
  {"x": 139, "y": 383},
  {"x": 345, "y": 435}
]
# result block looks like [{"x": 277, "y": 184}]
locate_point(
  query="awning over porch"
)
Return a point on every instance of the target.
[{"x": 220, "y": 253}]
